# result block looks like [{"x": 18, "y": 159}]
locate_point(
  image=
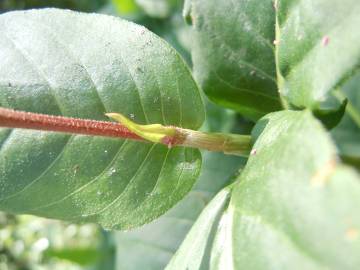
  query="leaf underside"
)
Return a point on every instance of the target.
[{"x": 84, "y": 65}]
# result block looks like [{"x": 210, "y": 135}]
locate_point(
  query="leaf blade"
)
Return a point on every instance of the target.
[
  {"x": 317, "y": 53},
  {"x": 83, "y": 65},
  {"x": 233, "y": 54},
  {"x": 280, "y": 206}
]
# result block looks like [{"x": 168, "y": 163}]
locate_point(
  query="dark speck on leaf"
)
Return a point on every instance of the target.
[{"x": 76, "y": 168}]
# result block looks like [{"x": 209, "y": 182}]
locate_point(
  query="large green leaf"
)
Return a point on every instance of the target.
[
  {"x": 293, "y": 206},
  {"x": 233, "y": 53},
  {"x": 319, "y": 47},
  {"x": 148, "y": 242},
  {"x": 83, "y": 65}
]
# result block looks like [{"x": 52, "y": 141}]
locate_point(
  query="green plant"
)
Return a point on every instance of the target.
[{"x": 290, "y": 66}]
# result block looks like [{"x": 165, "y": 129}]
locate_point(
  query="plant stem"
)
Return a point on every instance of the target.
[
  {"x": 169, "y": 135},
  {"x": 19, "y": 119},
  {"x": 231, "y": 144},
  {"x": 279, "y": 77}
]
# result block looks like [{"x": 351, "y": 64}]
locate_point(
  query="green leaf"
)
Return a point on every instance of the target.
[
  {"x": 173, "y": 28},
  {"x": 156, "y": 243},
  {"x": 332, "y": 117},
  {"x": 175, "y": 31},
  {"x": 319, "y": 48},
  {"x": 149, "y": 242},
  {"x": 84, "y": 65},
  {"x": 286, "y": 211},
  {"x": 198, "y": 242},
  {"x": 347, "y": 133},
  {"x": 233, "y": 53}
]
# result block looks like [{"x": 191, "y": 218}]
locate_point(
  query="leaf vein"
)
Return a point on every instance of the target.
[
  {"x": 127, "y": 186},
  {"x": 51, "y": 165},
  {"x": 86, "y": 184}
]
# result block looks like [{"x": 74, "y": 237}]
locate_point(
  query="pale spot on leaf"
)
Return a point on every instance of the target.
[
  {"x": 352, "y": 234},
  {"x": 322, "y": 176},
  {"x": 276, "y": 5}
]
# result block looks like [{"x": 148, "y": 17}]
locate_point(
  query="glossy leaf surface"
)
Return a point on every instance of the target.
[
  {"x": 84, "y": 65},
  {"x": 233, "y": 53}
]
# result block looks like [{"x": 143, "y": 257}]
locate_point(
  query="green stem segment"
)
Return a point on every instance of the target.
[
  {"x": 231, "y": 144},
  {"x": 169, "y": 135},
  {"x": 279, "y": 78}
]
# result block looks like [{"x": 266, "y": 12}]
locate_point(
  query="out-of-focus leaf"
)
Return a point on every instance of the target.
[
  {"x": 81, "y": 256},
  {"x": 50, "y": 63},
  {"x": 293, "y": 206},
  {"x": 173, "y": 30},
  {"x": 125, "y": 7},
  {"x": 233, "y": 53},
  {"x": 347, "y": 133},
  {"x": 318, "y": 49},
  {"x": 332, "y": 117}
]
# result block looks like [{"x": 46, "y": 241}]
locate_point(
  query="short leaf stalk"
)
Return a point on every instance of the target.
[{"x": 231, "y": 144}]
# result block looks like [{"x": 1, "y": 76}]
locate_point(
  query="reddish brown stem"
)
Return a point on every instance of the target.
[
  {"x": 19, "y": 119},
  {"x": 228, "y": 143}
]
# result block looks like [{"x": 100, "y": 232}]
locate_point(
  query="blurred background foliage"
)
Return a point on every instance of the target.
[
  {"x": 28, "y": 243},
  {"x": 32, "y": 243},
  {"x": 81, "y": 5}
]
